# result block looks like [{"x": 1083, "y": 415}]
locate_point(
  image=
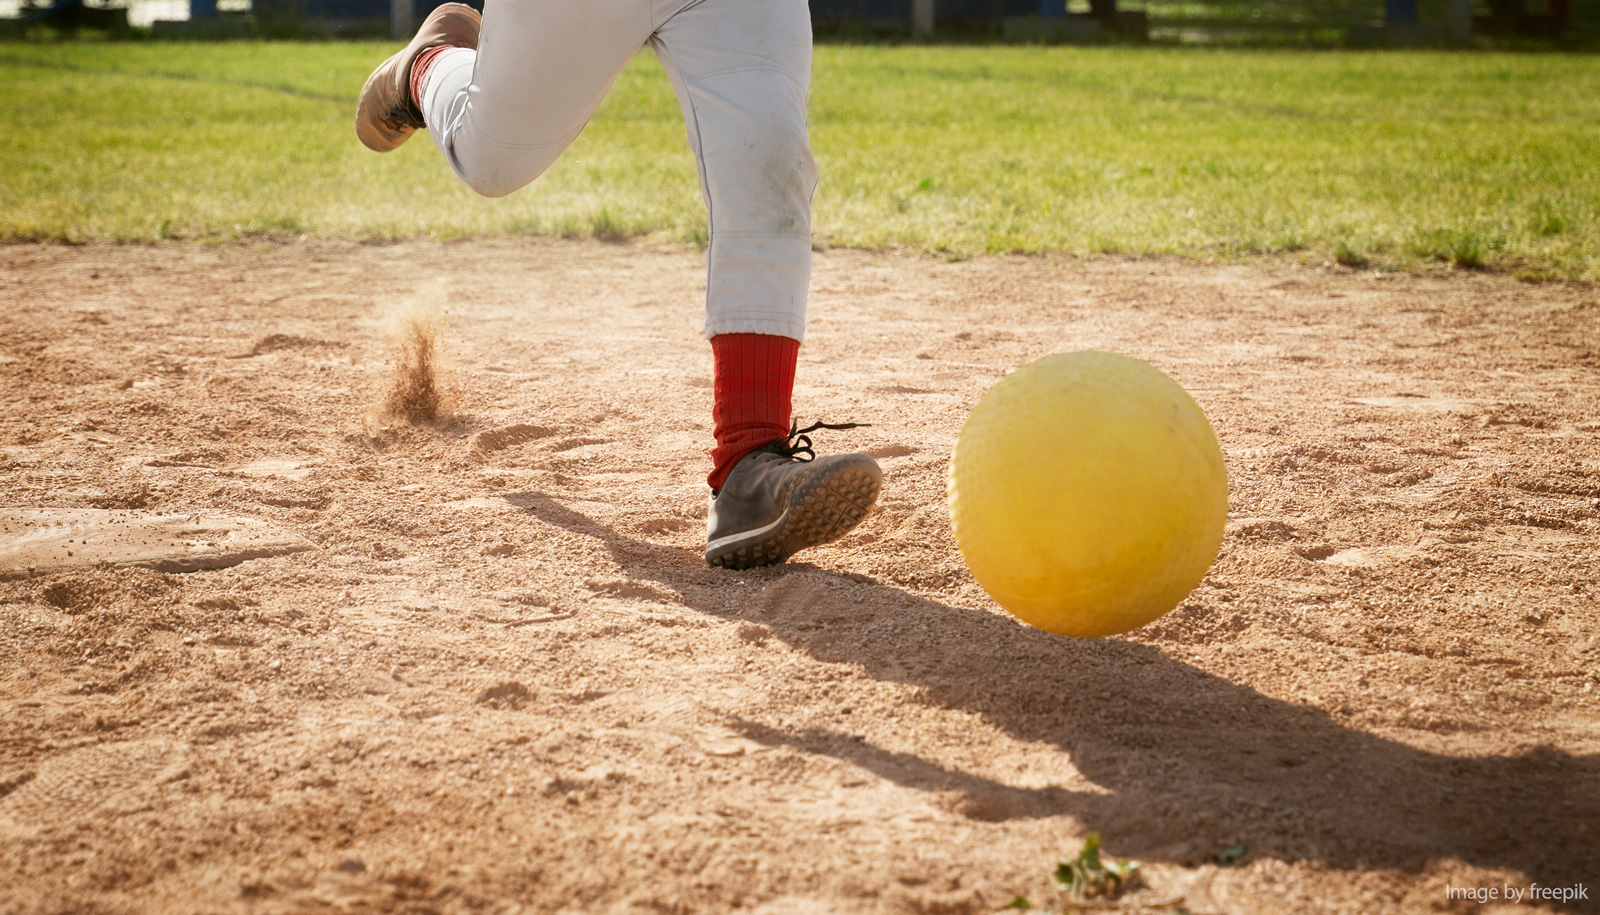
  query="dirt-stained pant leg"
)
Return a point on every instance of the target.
[
  {"x": 504, "y": 113},
  {"x": 742, "y": 70}
]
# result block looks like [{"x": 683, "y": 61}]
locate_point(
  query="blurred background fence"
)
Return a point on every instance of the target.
[{"x": 1562, "y": 23}]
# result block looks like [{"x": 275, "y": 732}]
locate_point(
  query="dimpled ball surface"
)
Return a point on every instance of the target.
[{"x": 1088, "y": 493}]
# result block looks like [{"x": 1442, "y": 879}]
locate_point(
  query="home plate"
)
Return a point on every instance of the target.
[{"x": 41, "y": 541}]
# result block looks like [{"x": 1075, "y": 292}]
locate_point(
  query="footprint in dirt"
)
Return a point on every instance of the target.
[
  {"x": 491, "y": 440},
  {"x": 80, "y": 787}
]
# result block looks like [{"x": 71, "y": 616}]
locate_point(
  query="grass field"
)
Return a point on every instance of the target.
[{"x": 1388, "y": 159}]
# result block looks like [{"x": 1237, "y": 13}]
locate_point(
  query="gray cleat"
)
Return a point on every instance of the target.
[{"x": 775, "y": 503}]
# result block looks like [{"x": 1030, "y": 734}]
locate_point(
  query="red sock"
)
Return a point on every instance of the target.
[
  {"x": 754, "y": 383},
  {"x": 420, "y": 68}
]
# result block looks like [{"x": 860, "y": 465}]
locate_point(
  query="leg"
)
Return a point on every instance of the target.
[
  {"x": 503, "y": 113},
  {"x": 742, "y": 71}
]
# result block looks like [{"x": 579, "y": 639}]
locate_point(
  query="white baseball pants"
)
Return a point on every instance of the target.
[{"x": 742, "y": 71}]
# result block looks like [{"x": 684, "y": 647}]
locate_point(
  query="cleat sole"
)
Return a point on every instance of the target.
[{"x": 821, "y": 510}]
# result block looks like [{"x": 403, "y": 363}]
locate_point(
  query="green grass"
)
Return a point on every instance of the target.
[{"x": 1377, "y": 159}]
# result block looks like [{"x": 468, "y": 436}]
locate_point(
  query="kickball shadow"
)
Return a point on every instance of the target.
[{"x": 1194, "y": 763}]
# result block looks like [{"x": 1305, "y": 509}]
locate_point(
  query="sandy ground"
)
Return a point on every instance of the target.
[{"x": 504, "y": 681}]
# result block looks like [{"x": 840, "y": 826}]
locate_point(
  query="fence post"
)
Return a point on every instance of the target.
[
  {"x": 1461, "y": 21},
  {"x": 400, "y": 19},
  {"x": 922, "y": 19}
]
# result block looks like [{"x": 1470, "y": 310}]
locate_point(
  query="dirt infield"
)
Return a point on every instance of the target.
[{"x": 504, "y": 680}]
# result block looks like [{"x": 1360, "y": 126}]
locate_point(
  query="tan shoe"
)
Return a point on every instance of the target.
[{"x": 387, "y": 115}]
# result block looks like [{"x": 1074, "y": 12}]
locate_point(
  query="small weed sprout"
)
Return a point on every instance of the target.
[{"x": 1088, "y": 876}]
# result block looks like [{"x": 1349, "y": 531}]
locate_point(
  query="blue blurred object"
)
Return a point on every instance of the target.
[
  {"x": 1052, "y": 9},
  {"x": 1400, "y": 12},
  {"x": 202, "y": 9}
]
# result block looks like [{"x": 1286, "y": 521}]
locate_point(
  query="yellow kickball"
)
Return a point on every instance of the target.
[{"x": 1088, "y": 493}]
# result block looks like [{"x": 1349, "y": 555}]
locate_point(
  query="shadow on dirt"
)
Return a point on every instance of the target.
[{"x": 1194, "y": 763}]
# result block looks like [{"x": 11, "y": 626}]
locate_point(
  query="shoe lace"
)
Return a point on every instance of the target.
[{"x": 798, "y": 442}]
